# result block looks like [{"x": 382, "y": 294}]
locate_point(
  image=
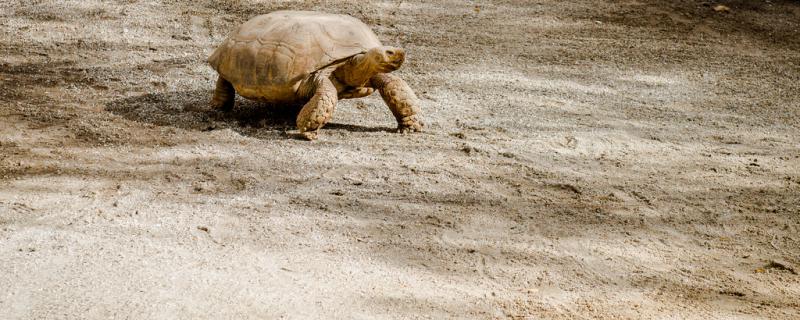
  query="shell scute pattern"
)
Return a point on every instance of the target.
[{"x": 268, "y": 56}]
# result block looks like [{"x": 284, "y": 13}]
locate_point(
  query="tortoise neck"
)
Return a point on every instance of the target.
[{"x": 357, "y": 71}]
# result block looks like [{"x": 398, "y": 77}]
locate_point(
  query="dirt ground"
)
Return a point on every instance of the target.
[{"x": 581, "y": 159}]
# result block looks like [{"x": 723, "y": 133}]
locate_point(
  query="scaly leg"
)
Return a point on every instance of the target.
[
  {"x": 318, "y": 110},
  {"x": 400, "y": 99},
  {"x": 224, "y": 95},
  {"x": 356, "y": 93}
]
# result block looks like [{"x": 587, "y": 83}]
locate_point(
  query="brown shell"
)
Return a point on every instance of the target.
[{"x": 268, "y": 56}]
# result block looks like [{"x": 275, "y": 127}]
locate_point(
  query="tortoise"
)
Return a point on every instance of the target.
[{"x": 313, "y": 59}]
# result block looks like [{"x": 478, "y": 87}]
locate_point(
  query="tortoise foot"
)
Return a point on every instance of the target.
[
  {"x": 224, "y": 96},
  {"x": 409, "y": 124},
  {"x": 222, "y": 106},
  {"x": 309, "y": 135}
]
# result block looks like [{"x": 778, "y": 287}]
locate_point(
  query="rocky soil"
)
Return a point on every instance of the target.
[{"x": 581, "y": 159}]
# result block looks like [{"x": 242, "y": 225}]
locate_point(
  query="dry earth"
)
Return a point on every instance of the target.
[{"x": 582, "y": 159}]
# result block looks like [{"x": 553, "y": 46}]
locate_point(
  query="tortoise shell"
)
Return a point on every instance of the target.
[{"x": 270, "y": 55}]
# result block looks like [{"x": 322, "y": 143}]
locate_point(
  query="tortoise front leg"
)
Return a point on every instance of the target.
[
  {"x": 318, "y": 110},
  {"x": 224, "y": 95},
  {"x": 400, "y": 99}
]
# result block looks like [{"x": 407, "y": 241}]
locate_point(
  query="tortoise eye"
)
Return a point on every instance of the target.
[{"x": 390, "y": 52}]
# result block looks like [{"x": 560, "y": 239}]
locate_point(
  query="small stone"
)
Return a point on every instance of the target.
[
  {"x": 181, "y": 37},
  {"x": 459, "y": 135},
  {"x": 779, "y": 265},
  {"x": 722, "y": 8}
]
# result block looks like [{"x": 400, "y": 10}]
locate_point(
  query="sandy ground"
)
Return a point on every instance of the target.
[{"x": 582, "y": 159}]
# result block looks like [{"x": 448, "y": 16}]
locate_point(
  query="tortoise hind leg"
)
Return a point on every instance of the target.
[
  {"x": 224, "y": 95},
  {"x": 318, "y": 110},
  {"x": 401, "y": 100}
]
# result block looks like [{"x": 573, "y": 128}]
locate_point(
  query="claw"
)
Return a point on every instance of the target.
[
  {"x": 309, "y": 135},
  {"x": 409, "y": 124}
]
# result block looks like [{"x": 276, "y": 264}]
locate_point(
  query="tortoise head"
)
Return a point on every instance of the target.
[
  {"x": 386, "y": 58},
  {"x": 362, "y": 67}
]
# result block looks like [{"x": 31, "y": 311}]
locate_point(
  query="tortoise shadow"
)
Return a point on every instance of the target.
[{"x": 191, "y": 110}]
